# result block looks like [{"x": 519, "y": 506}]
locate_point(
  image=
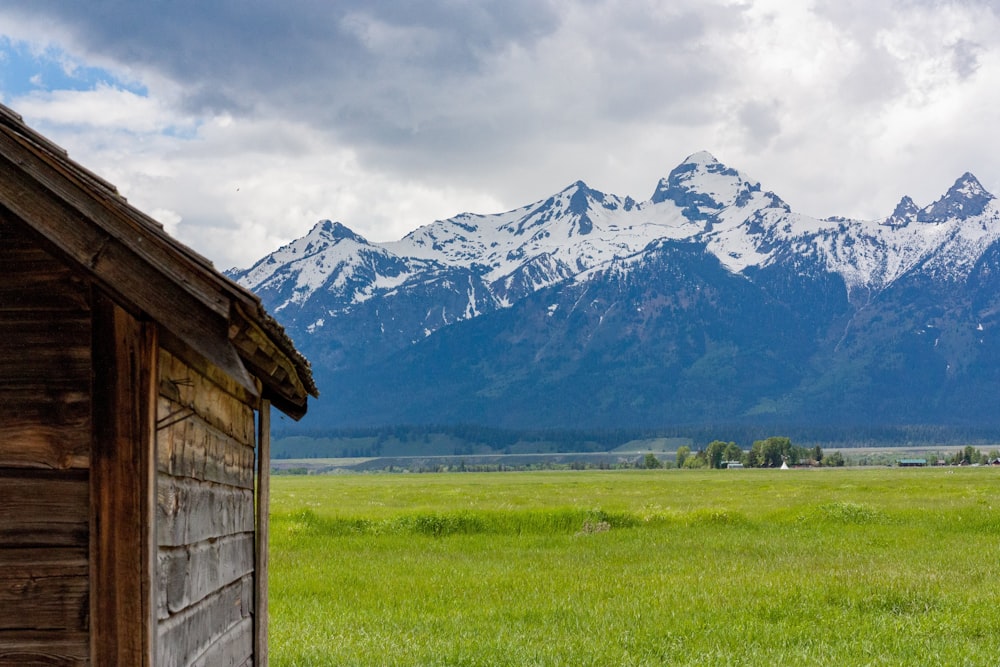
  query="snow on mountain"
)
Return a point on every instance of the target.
[
  {"x": 577, "y": 228},
  {"x": 580, "y": 229},
  {"x": 702, "y": 187},
  {"x": 965, "y": 199},
  {"x": 330, "y": 257}
]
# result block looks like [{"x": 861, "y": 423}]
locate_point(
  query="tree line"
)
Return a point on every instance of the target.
[
  {"x": 770, "y": 452},
  {"x": 368, "y": 440}
]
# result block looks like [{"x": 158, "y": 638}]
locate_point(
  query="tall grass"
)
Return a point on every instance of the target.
[{"x": 832, "y": 567}]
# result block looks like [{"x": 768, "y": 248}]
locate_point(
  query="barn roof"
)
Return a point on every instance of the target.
[{"x": 81, "y": 218}]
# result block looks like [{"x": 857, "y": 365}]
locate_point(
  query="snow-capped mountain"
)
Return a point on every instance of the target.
[{"x": 709, "y": 241}]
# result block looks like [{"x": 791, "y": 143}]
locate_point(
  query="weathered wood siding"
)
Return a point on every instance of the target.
[
  {"x": 205, "y": 519},
  {"x": 45, "y": 431}
]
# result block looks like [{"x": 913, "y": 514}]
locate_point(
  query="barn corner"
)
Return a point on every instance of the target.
[{"x": 136, "y": 383}]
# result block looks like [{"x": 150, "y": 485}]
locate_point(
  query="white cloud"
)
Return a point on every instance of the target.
[
  {"x": 255, "y": 121},
  {"x": 101, "y": 109}
]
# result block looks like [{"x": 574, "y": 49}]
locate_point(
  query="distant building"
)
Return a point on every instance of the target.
[{"x": 912, "y": 463}]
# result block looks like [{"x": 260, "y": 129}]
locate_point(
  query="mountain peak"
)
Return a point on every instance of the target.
[
  {"x": 965, "y": 199},
  {"x": 329, "y": 230},
  {"x": 701, "y": 158},
  {"x": 969, "y": 185},
  {"x": 702, "y": 186},
  {"x": 906, "y": 212}
]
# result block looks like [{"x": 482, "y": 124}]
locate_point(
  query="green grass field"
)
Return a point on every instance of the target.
[{"x": 753, "y": 567}]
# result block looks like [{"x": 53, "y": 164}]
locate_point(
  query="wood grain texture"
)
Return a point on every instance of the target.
[
  {"x": 263, "y": 512},
  {"x": 189, "y": 574},
  {"x": 190, "y": 511},
  {"x": 66, "y": 649},
  {"x": 44, "y": 589},
  {"x": 45, "y": 360},
  {"x": 34, "y": 280},
  {"x": 184, "y": 356},
  {"x": 44, "y": 508},
  {"x": 232, "y": 649},
  {"x": 122, "y": 476},
  {"x": 205, "y": 515},
  {"x": 187, "y": 635},
  {"x": 213, "y": 402},
  {"x": 189, "y": 447},
  {"x": 90, "y": 226}
]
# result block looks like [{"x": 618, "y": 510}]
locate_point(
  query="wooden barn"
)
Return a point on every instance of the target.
[{"x": 135, "y": 392}]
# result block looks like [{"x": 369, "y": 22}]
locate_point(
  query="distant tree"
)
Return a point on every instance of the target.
[
  {"x": 695, "y": 461},
  {"x": 770, "y": 453},
  {"x": 966, "y": 456},
  {"x": 651, "y": 461},
  {"x": 733, "y": 452},
  {"x": 836, "y": 459},
  {"x": 714, "y": 453},
  {"x": 817, "y": 454},
  {"x": 970, "y": 455},
  {"x": 682, "y": 453}
]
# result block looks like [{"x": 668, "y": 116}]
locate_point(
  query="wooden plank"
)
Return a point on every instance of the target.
[
  {"x": 232, "y": 649},
  {"x": 181, "y": 356},
  {"x": 34, "y": 280},
  {"x": 67, "y": 649},
  {"x": 44, "y": 384},
  {"x": 263, "y": 534},
  {"x": 43, "y": 508},
  {"x": 190, "y": 574},
  {"x": 39, "y": 330},
  {"x": 214, "y": 403},
  {"x": 43, "y": 589},
  {"x": 27, "y": 442},
  {"x": 190, "y": 511},
  {"x": 189, "y": 447},
  {"x": 185, "y": 636},
  {"x": 122, "y": 480}
]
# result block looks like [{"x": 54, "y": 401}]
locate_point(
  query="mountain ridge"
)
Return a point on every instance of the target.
[{"x": 369, "y": 313}]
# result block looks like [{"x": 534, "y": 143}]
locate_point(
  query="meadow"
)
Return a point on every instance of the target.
[{"x": 845, "y": 566}]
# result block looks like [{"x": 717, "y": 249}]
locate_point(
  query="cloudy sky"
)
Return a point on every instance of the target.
[{"x": 240, "y": 123}]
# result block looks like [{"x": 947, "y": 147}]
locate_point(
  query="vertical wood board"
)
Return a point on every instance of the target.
[
  {"x": 263, "y": 533},
  {"x": 122, "y": 478}
]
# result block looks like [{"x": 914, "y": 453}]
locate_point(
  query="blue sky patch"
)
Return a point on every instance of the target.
[{"x": 24, "y": 71}]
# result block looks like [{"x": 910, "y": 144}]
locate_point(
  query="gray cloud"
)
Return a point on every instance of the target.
[
  {"x": 259, "y": 51},
  {"x": 454, "y": 104},
  {"x": 760, "y": 122},
  {"x": 410, "y": 83},
  {"x": 966, "y": 58}
]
